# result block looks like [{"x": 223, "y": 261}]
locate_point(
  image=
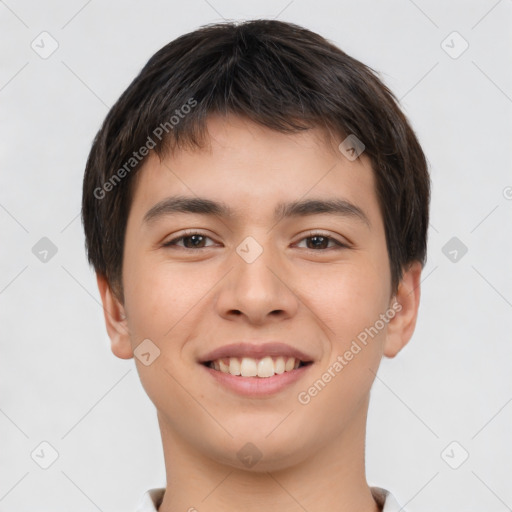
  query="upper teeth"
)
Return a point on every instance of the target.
[{"x": 249, "y": 367}]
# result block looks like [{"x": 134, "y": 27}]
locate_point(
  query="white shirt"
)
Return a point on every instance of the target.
[{"x": 151, "y": 500}]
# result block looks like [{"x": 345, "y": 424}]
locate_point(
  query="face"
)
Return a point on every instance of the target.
[{"x": 284, "y": 264}]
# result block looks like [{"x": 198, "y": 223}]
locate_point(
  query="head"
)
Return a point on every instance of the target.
[{"x": 246, "y": 128}]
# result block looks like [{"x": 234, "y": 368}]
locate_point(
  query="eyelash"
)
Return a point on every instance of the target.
[{"x": 312, "y": 234}]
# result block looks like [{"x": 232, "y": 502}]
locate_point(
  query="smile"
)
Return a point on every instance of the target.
[{"x": 250, "y": 367}]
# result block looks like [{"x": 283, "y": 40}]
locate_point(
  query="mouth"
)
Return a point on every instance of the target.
[
  {"x": 256, "y": 370},
  {"x": 264, "y": 367}
]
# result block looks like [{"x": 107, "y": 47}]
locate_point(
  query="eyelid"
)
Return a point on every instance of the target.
[
  {"x": 312, "y": 233},
  {"x": 190, "y": 232},
  {"x": 186, "y": 234}
]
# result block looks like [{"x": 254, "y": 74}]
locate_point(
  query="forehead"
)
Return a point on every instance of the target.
[{"x": 252, "y": 169}]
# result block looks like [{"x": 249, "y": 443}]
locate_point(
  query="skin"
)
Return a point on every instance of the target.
[{"x": 188, "y": 302}]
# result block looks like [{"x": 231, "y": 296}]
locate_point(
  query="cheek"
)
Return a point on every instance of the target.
[
  {"x": 160, "y": 301},
  {"x": 165, "y": 300},
  {"x": 350, "y": 302},
  {"x": 347, "y": 297},
  {"x": 158, "y": 295}
]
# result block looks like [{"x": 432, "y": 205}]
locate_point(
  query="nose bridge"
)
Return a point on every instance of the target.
[
  {"x": 253, "y": 266},
  {"x": 254, "y": 287}
]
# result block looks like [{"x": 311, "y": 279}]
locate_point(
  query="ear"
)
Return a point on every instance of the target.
[
  {"x": 405, "y": 303},
  {"x": 115, "y": 320}
]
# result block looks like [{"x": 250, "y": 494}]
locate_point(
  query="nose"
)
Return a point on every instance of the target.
[{"x": 258, "y": 291}]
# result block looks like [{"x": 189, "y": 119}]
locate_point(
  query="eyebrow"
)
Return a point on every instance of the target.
[{"x": 300, "y": 208}]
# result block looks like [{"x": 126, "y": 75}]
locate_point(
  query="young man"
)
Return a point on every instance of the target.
[{"x": 256, "y": 208}]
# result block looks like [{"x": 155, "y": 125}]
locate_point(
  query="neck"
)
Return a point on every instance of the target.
[{"x": 333, "y": 478}]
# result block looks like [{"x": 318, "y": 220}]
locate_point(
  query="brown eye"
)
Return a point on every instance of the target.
[
  {"x": 321, "y": 242},
  {"x": 190, "y": 241},
  {"x": 318, "y": 242},
  {"x": 193, "y": 241}
]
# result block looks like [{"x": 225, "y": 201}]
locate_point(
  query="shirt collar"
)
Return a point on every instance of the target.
[{"x": 152, "y": 499}]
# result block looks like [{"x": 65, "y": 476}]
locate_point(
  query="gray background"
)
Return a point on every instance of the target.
[{"x": 61, "y": 384}]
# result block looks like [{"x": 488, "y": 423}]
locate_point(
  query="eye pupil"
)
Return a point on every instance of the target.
[
  {"x": 316, "y": 239},
  {"x": 195, "y": 238}
]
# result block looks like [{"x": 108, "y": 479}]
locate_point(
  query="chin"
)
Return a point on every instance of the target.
[{"x": 259, "y": 454}]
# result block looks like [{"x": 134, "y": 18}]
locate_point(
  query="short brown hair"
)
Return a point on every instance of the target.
[{"x": 278, "y": 75}]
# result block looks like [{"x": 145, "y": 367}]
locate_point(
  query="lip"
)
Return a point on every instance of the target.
[
  {"x": 256, "y": 351},
  {"x": 257, "y": 387}
]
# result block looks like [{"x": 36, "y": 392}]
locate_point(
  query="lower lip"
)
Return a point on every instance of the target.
[{"x": 258, "y": 386}]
